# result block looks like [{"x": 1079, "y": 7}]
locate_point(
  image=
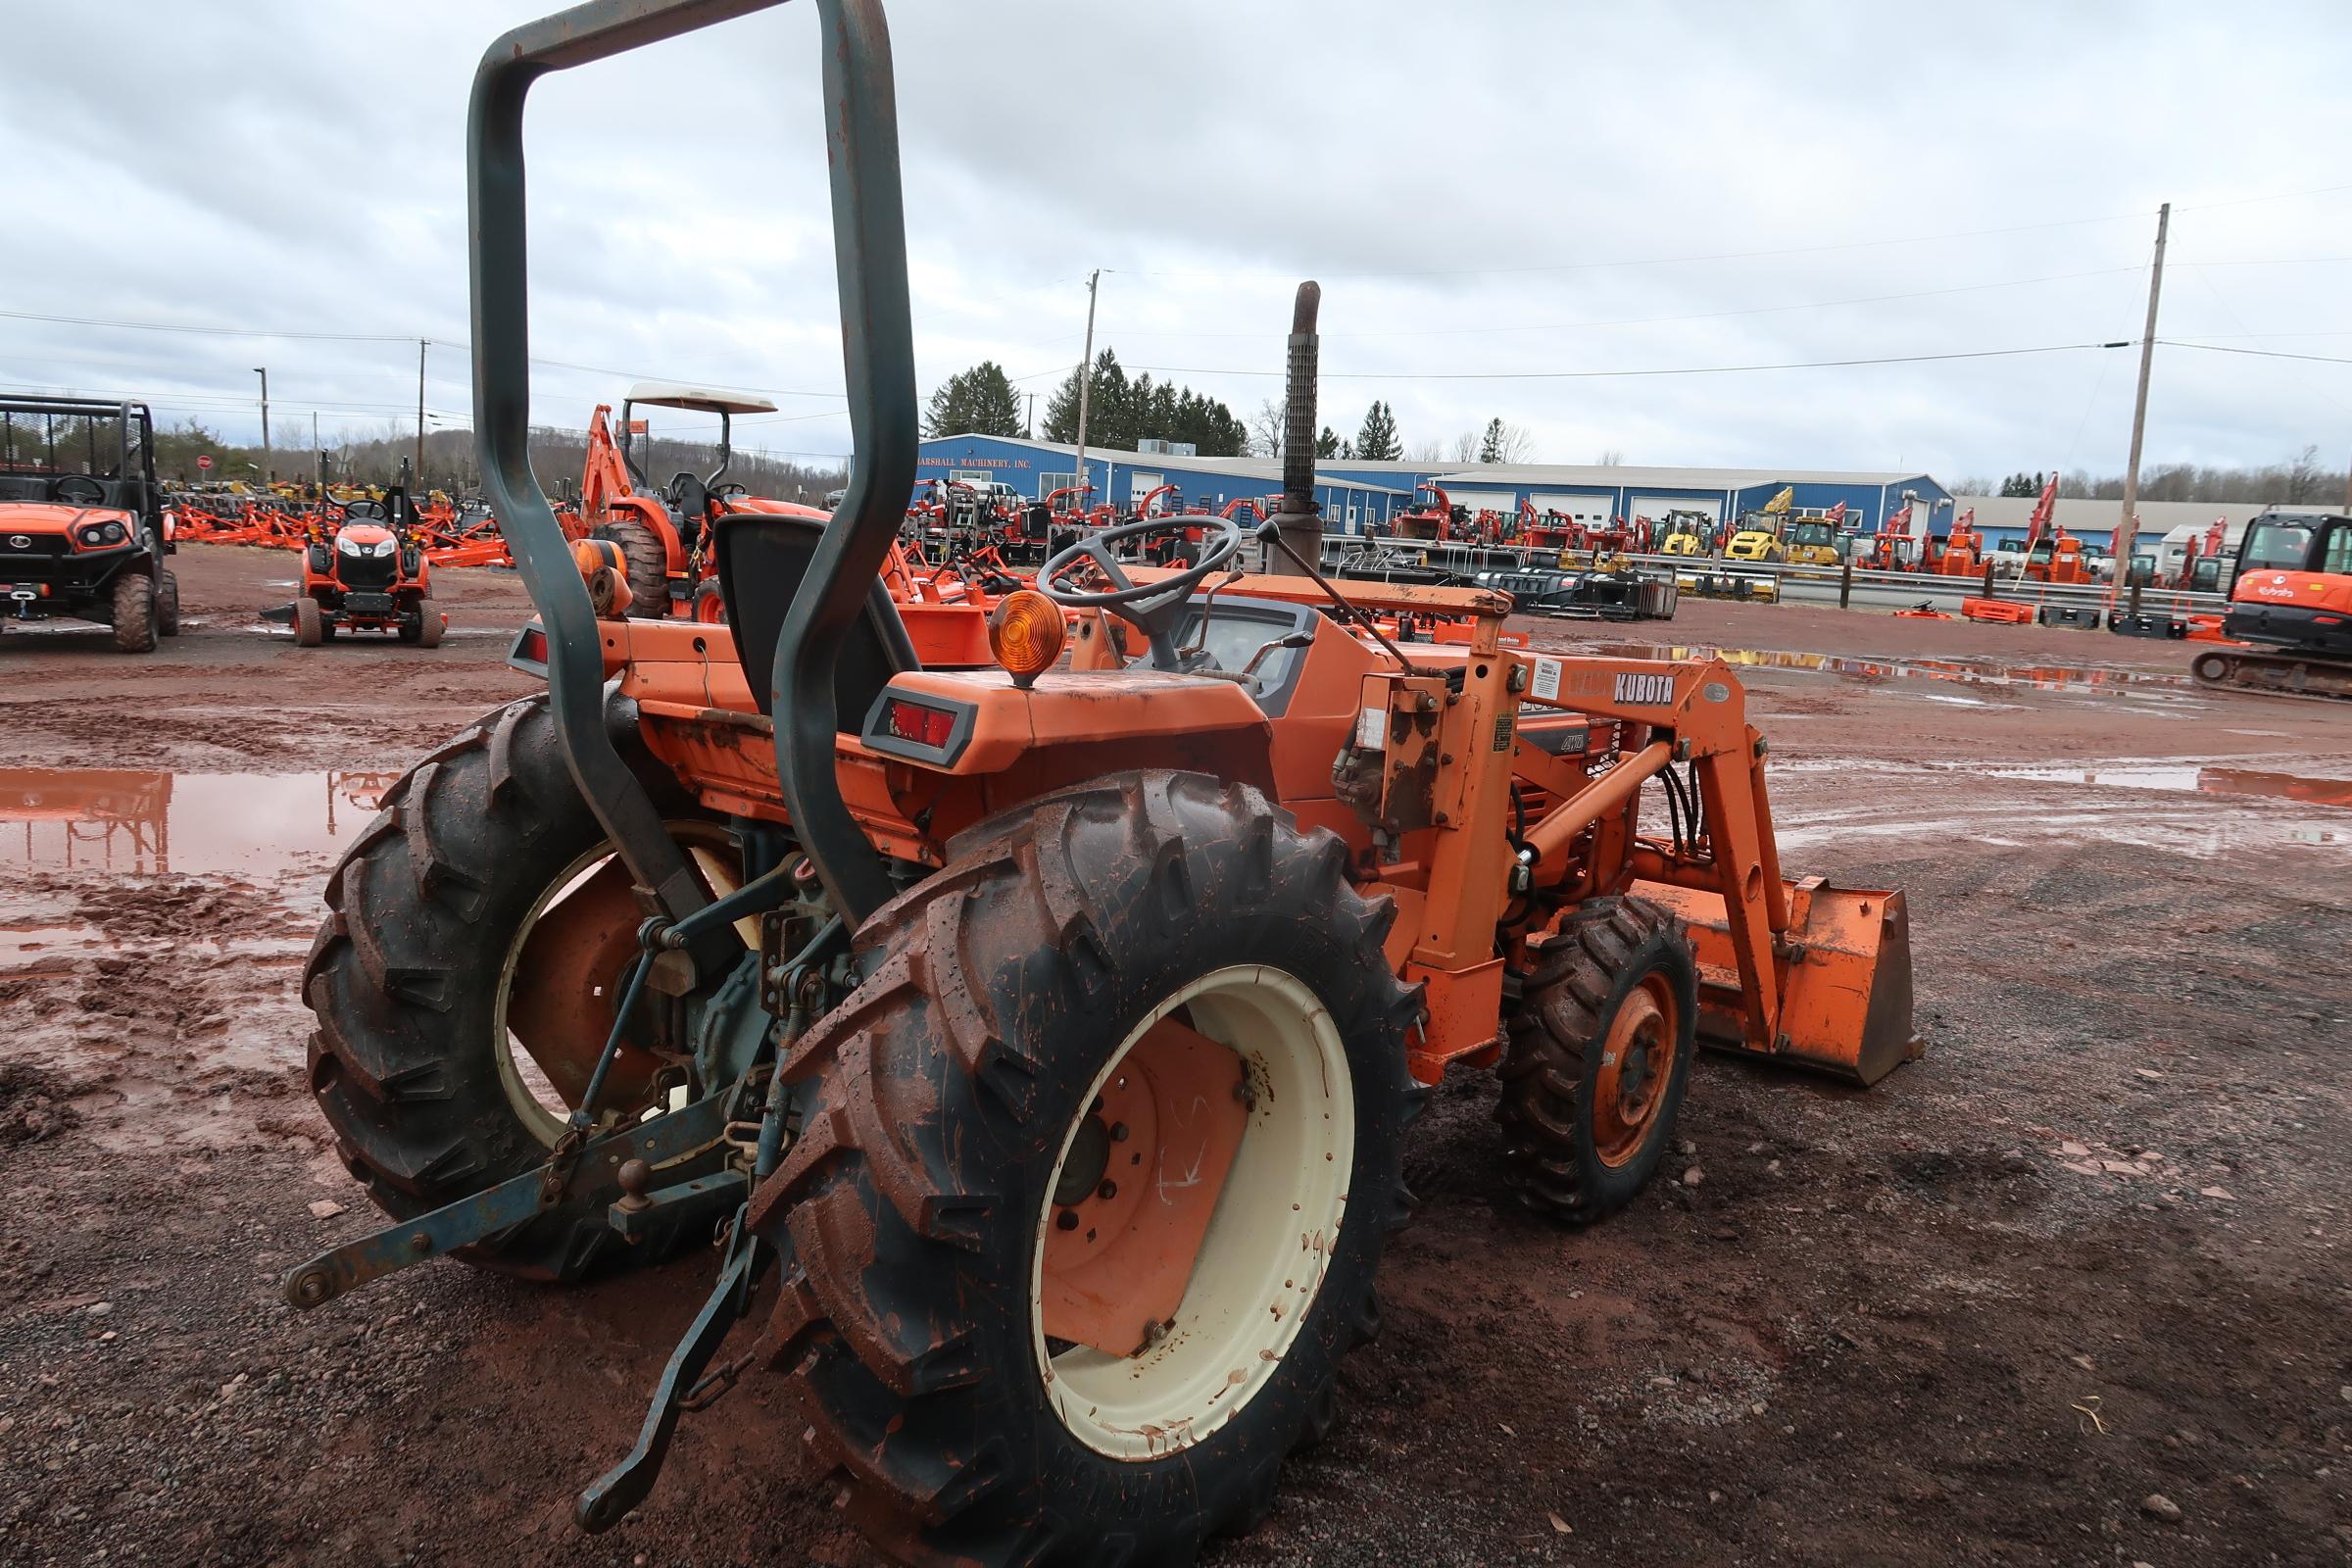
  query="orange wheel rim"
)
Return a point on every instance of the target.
[{"x": 1637, "y": 1065}]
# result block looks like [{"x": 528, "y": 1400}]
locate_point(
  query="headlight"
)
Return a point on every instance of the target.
[
  {"x": 99, "y": 534},
  {"x": 349, "y": 546},
  {"x": 384, "y": 547}
]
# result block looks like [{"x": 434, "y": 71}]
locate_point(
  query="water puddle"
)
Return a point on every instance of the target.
[
  {"x": 134, "y": 823},
  {"x": 2169, "y": 805},
  {"x": 1966, "y": 672},
  {"x": 2196, "y": 780},
  {"x": 371, "y": 638}
]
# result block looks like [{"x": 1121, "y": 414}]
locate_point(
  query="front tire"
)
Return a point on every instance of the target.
[
  {"x": 1160, "y": 937},
  {"x": 309, "y": 624},
  {"x": 1598, "y": 1060},
  {"x": 647, "y": 561},
  {"x": 425, "y": 630},
  {"x": 134, "y": 601},
  {"x": 167, "y": 607}
]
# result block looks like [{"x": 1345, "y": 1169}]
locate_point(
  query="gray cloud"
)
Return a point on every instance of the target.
[{"x": 1522, "y": 186}]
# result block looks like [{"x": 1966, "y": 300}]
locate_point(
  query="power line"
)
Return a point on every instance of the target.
[
  {"x": 209, "y": 331},
  {"x": 1687, "y": 370},
  {"x": 2260, "y": 354},
  {"x": 1670, "y": 260},
  {"x": 355, "y": 337},
  {"x": 1697, "y": 315}
]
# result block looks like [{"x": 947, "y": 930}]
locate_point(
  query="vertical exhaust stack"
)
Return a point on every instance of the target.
[{"x": 1299, "y": 521}]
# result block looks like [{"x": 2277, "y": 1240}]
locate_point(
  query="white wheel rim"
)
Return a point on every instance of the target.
[{"x": 1262, "y": 1262}]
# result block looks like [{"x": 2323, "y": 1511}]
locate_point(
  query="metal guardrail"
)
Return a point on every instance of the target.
[{"x": 1819, "y": 584}]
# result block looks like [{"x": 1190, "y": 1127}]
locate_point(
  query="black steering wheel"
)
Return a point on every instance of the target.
[
  {"x": 79, "y": 489},
  {"x": 1151, "y": 608}
]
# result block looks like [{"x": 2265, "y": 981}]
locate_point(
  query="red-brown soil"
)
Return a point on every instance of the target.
[{"x": 2085, "y": 1251}]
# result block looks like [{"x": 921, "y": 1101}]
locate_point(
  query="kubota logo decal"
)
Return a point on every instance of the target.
[
  {"x": 1645, "y": 691},
  {"x": 20, "y": 541}
]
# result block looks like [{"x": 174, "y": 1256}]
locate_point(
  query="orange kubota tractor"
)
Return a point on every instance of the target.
[
  {"x": 663, "y": 531},
  {"x": 1042, "y": 1040},
  {"x": 364, "y": 569}
]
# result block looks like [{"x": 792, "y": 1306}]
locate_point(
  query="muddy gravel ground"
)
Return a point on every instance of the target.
[{"x": 2068, "y": 1290}]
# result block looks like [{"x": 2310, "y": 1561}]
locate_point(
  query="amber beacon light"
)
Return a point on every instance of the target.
[{"x": 1025, "y": 633}]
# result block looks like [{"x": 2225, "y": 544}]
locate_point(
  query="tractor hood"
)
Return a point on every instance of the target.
[
  {"x": 365, "y": 533},
  {"x": 55, "y": 517}
]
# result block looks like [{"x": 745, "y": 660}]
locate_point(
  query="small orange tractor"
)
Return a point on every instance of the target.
[
  {"x": 663, "y": 531},
  {"x": 1041, "y": 1040},
  {"x": 364, "y": 569},
  {"x": 82, "y": 529}
]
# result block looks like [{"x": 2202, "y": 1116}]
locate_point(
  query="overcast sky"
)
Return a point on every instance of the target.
[{"x": 1515, "y": 186}]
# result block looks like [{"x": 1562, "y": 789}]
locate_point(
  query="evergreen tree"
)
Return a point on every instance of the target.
[
  {"x": 1327, "y": 445},
  {"x": 979, "y": 400},
  {"x": 1377, "y": 441},
  {"x": 1504, "y": 442},
  {"x": 1123, "y": 412}
]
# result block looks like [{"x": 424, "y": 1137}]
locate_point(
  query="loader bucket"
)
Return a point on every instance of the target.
[{"x": 1842, "y": 979}]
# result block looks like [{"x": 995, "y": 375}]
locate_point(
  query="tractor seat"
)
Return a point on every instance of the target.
[{"x": 763, "y": 557}]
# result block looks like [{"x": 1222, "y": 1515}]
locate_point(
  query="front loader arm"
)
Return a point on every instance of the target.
[{"x": 1801, "y": 971}]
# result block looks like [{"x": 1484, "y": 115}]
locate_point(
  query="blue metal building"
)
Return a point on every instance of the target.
[
  {"x": 1594, "y": 494},
  {"x": 1361, "y": 497},
  {"x": 1037, "y": 469}
]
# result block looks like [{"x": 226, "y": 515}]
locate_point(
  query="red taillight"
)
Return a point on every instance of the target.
[
  {"x": 914, "y": 721},
  {"x": 534, "y": 645}
]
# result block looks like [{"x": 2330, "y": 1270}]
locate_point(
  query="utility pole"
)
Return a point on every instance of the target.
[
  {"x": 419, "y": 464},
  {"x": 263, "y": 371},
  {"x": 319, "y": 454},
  {"x": 1029, "y": 424},
  {"x": 1086, "y": 383},
  {"x": 2129, "y": 525}
]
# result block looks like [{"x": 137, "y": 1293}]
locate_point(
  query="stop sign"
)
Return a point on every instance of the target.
[{"x": 203, "y": 460}]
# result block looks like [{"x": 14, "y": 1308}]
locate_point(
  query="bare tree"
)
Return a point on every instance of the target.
[
  {"x": 2303, "y": 475},
  {"x": 1505, "y": 442},
  {"x": 1265, "y": 430},
  {"x": 1465, "y": 447},
  {"x": 1611, "y": 458},
  {"x": 1426, "y": 452}
]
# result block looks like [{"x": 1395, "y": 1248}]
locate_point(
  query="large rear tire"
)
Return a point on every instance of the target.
[
  {"x": 413, "y": 974},
  {"x": 134, "y": 613},
  {"x": 1598, "y": 1058},
  {"x": 1006, "y": 1101},
  {"x": 647, "y": 559}
]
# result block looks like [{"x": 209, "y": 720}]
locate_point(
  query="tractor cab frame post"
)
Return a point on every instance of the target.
[{"x": 871, "y": 252}]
